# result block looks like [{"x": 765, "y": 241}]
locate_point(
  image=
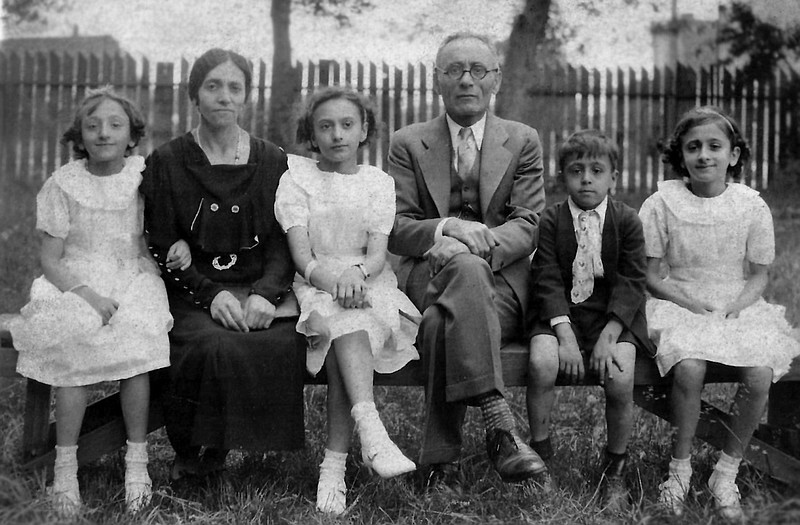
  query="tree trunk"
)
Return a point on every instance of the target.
[
  {"x": 285, "y": 93},
  {"x": 527, "y": 33}
]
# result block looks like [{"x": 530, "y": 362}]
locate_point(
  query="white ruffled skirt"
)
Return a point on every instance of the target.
[
  {"x": 62, "y": 340},
  {"x": 391, "y": 323}
]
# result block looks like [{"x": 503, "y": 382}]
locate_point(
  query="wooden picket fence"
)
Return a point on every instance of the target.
[{"x": 38, "y": 94}]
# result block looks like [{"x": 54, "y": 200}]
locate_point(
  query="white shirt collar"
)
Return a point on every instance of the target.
[
  {"x": 600, "y": 209},
  {"x": 477, "y": 130}
]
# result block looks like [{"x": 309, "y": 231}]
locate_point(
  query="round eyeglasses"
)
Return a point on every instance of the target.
[{"x": 456, "y": 71}]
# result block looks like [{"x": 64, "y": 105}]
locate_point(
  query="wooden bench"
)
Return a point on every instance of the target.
[{"x": 774, "y": 450}]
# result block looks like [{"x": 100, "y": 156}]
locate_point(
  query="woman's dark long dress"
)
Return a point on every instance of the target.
[{"x": 227, "y": 389}]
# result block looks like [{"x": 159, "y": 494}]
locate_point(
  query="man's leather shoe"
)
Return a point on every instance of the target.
[{"x": 513, "y": 459}]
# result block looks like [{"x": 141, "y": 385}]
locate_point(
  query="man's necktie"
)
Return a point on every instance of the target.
[
  {"x": 467, "y": 152},
  {"x": 587, "y": 262}
]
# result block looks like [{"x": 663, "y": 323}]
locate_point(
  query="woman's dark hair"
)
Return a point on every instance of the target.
[
  {"x": 672, "y": 153},
  {"x": 305, "y": 124},
  {"x": 88, "y": 106},
  {"x": 211, "y": 59}
]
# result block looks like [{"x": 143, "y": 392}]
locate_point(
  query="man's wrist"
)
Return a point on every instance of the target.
[{"x": 438, "y": 234}]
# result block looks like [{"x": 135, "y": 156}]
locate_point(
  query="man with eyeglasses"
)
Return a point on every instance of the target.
[{"x": 469, "y": 188}]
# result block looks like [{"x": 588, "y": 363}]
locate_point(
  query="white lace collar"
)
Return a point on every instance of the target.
[{"x": 107, "y": 192}]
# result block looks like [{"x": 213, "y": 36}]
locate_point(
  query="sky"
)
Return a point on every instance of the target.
[{"x": 394, "y": 31}]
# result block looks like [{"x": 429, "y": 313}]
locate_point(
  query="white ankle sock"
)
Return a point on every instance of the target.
[
  {"x": 363, "y": 409},
  {"x": 682, "y": 469},
  {"x": 727, "y": 467},
  {"x": 334, "y": 462},
  {"x": 66, "y": 464},
  {"x": 67, "y": 454},
  {"x": 136, "y": 451}
]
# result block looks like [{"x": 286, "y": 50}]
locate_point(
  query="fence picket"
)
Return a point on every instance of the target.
[
  {"x": 162, "y": 103},
  {"x": 65, "y": 104},
  {"x": 51, "y": 146},
  {"x": 643, "y": 132},
  {"x": 4, "y": 108},
  {"x": 621, "y": 128},
  {"x": 26, "y": 113},
  {"x": 595, "y": 94},
  {"x": 185, "y": 108},
  {"x": 11, "y": 116},
  {"x": 759, "y": 137}
]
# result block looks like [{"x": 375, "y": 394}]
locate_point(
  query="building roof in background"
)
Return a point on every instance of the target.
[{"x": 96, "y": 45}]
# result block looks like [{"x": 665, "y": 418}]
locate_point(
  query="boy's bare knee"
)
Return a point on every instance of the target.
[
  {"x": 543, "y": 359},
  {"x": 619, "y": 389}
]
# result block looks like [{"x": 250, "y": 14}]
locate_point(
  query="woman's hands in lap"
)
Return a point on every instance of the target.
[
  {"x": 256, "y": 314},
  {"x": 227, "y": 311}
]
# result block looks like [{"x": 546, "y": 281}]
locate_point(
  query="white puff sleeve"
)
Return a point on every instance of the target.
[
  {"x": 761, "y": 234},
  {"x": 654, "y": 223},
  {"x": 383, "y": 204},
  {"x": 52, "y": 210},
  {"x": 291, "y": 203}
]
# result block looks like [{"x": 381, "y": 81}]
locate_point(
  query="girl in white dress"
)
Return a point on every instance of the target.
[
  {"x": 337, "y": 215},
  {"x": 707, "y": 308},
  {"x": 99, "y": 312}
]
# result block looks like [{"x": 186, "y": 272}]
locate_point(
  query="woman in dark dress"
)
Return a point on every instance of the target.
[{"x": 236, "y": 374}]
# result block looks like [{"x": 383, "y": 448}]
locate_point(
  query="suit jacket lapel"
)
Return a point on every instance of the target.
[
  {"x": 608, "y": 252},
  {"x": 435, "y": 163},
  {"x": 495, "y": 159},
  {"x": 565, "y": 231}
]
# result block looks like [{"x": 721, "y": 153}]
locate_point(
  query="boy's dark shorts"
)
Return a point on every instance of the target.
[{"x": 586, "y": 335}]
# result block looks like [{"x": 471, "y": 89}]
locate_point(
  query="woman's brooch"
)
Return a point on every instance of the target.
[{"x": 215, "y": 263}]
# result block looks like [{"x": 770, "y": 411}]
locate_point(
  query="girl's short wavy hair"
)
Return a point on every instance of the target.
[
  {"x": 305, "y": 123},
  {"x": 88, "y": 106},
  {"x": 672, "y": 152},
  {"x": 211, "y": 59}
]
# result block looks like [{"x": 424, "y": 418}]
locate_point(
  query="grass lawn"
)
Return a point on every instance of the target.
[{"x": 280, "y": 488}]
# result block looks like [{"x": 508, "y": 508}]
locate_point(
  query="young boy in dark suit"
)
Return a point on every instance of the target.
[{"x": 588, "y": 300}]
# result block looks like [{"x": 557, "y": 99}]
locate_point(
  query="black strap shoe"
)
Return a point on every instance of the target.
[
  {"x": 614, "y": 495},
  {"x": 513, "y": 459},
  {"x": 438, "y": 476}
]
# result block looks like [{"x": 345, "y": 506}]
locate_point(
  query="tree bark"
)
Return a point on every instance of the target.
[
  {"x": 527, "y": 33},
  {"x": 285, "y": 93}
]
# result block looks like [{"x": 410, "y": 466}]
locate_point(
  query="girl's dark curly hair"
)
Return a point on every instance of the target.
[
  {"x": 305, "y": 124},
  {"x": 88, "y": 106},
  {"x": 672, "y": 151}
]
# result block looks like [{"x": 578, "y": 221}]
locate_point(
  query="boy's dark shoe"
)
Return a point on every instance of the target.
[
  {"x": 614, "y": 495},
  {"x": 544, "y": 448},
  {"x": 512, "y": 458},
  {"x": 441, "y": 476},
  {"x": 545, "y": 480}
]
